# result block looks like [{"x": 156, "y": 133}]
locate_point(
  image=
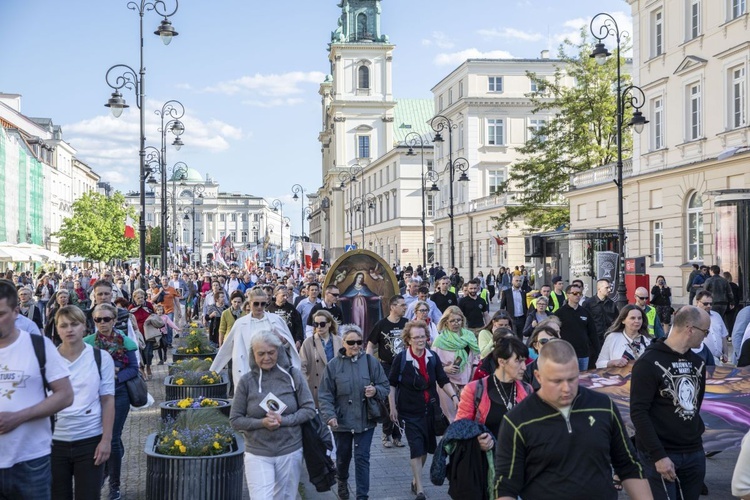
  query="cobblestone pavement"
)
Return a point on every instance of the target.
[{"x": 390, "y": 474}]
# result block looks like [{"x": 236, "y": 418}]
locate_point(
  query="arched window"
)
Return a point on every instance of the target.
[
  {"x": 695, "y": 227},
  {"x": 363, "y": 77},
  {"x": 361, "y": 25}
]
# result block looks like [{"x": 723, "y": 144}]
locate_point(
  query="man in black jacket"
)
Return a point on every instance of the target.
[
  {"x": 513, "y": 300},
  {"x": 578, "y": 327},
  {"x": 603, "y": 312},
  {"x": 563, "y": 440},
  {"x": 666, "y": 392},
  {"x": 281, "y": 306}
]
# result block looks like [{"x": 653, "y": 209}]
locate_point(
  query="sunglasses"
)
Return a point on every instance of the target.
[
  {"x": 353, "y": 342},
  {"x": 707, "y": 304},
  {"x": 543, "y": 341},
  {"x": 260, "y": 304},
  {"x": 455, "y": 321},
  {"x": 575, "y": 293},
  {"x": 335, "y": 294},
  {"x": 320, "y": 324},
  {"x": 641, "y": 298},
  {"x": 422, "y": 310},
  {"x": 105, "y": 319}
]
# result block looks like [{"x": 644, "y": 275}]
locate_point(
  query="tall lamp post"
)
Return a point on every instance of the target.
[
  {"x": 414, "y": 139},
  {"x": 177, "y": 171},
  {"x": 349, "y": 177},
  {"x": 438, "y": 124},
  {"x": 633, "y": 95},
  {"x": 278, "y": 206},
  {"x": 135, "y": 81},
  {"x": 195, "y": 192},
  {"x": 299, "y": 194},
  {"x": 363, "y": 204}
]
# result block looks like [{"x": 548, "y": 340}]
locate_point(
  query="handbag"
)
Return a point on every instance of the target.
[
  {"x": 439, "y": 421},
  {"x": 137, "y": 391},
  {"x": 377, "y": 410}
]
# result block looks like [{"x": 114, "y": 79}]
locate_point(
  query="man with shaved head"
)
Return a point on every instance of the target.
[
  {"x": 654, "y": 324},
  {"x": 666, "y": 393},
  {"x": 564, "y": 440}
]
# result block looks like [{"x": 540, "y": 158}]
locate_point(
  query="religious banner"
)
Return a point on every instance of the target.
[
  {"x": 313, "y": 255},
  {"x": 725, "y": 409}
]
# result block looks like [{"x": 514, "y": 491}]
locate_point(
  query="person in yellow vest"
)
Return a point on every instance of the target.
[
  {"x": 545, "y": 292},
  {"x": 557, "y": 297},
  {"x": 654, "y": 325}
]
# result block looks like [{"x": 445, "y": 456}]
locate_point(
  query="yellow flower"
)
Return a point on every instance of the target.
[
  {"x": 217, "y": 435},
  {"x": 179, "y": 381},
  {"x": 174, "y": 433},
  {"x": 209, "y": 360},
  {"x": 177, "y": 442},
  {"x": 217, "y": 445},
  {"x": 183, "y": 449}
]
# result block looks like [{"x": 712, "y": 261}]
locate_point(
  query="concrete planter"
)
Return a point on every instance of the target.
[
  {"x": 177, "y": 392},
  {"x": 169, "y": 408},
  {"x": 194, "y": 478}
]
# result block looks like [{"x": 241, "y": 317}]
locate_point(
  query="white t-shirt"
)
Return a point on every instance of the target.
[
  {"x": 21, "y": 387},
  {"x": 716, "y": 333},
  {"x": 83, "y": 419}
]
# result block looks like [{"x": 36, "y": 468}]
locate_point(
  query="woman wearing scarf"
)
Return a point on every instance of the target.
[
  {"x": 414, "y": 377},
  {"x": 231, "y": 314},
  {"x": 458, "y": 350},
  {"x": 60, "y": 299},
  {"x": 28, "y": 307},
  {"x": 122, "y": 349},
  {"x": 422, "y": 313}
]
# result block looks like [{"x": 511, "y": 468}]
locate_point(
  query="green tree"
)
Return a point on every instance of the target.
[
  {"x": 96, "y": 230},
  {"x": 153, "y": 241},
  {"x": 580, "y": 133}
]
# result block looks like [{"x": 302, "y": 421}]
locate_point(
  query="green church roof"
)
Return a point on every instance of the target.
[
  {"x": 413, "y": 115},
  {"x": 192, "y": 175}
]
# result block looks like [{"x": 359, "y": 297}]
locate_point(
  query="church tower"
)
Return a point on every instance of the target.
[{"x": 358, "y": 107}]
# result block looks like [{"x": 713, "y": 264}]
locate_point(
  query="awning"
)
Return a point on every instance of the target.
[
  {"x": 11, "y": 253},
  {"x": 24, "y": 252}
]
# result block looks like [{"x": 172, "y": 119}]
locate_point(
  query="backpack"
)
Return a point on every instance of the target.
[{"x": 37, "y": 342}]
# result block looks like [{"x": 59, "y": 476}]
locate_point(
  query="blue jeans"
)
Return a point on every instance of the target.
[
  {"x": 690, "y": 468},
  {"x": 362, "y": 442},
  {"x": 29, "y": 480},
  {"x": 169, "y": 329},
  {"x": 583, "y": 364},
  {"x": 114, "y": 464}
]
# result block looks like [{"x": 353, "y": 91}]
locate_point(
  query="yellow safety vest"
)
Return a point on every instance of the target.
[
  {"x": 485, "y": 295},
  {"x": 651, "y": 317},
  {"x": 553, "y": 300}
]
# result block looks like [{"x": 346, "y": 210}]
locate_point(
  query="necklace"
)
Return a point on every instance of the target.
[{"x": 509, "y": 400}]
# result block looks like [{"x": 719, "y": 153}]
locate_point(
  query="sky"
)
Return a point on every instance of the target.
[{"x": 247, "y": 73}]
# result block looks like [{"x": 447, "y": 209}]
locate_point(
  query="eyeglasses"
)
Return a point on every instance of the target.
[
  {"x": 543, "y": 341},
  {"x": 320, "y": 325},
  {"x": 705, "y": 331},
  {"x": 419, "y": 337},
  {"x": 353, "y": 342},
  {"x": 641, "y": 298},
  {"x": 707, "y": 304},
  {"x": 105, "y": 319},
  {"x": 575, "y": 293},
  {"x": 260, "y": 304},
  {"x": 334, "y": 294}
]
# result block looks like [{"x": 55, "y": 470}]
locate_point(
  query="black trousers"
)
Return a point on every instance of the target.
[
  {"x": 518, "y": 323},
  {"x": 75, "y": 459}
]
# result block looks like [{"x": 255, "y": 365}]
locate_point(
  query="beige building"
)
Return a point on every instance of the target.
[
  {"x": 686, "y": 189},
  {"x": 487, "y": 103}
]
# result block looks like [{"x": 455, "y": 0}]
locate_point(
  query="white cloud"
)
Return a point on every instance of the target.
[
  {"x": 273, "y": 103},
  {"x": 571, "y": 29},
  {"x": 272, "y": 85},
  {"x": 114, "y": 176},
  {"x": 438, "y": 39},
  {"x": 511, "y": 34},
  {"x": 455, "y": 58}
]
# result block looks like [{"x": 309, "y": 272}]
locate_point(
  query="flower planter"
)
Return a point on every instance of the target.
[
  {"x": 176, "y": 392},
  {"x": 225, "y": 406},
  {"x": 177, "y": 357},
  {"x": 194, "y": 478}
]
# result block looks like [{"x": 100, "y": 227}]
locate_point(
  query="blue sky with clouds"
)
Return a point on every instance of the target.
[{"x": 246, "y": 71}]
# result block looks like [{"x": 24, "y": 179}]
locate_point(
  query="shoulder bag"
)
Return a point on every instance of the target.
[
  {"x": 377, "y": 410},
  {"x": 137, "y": 391}
]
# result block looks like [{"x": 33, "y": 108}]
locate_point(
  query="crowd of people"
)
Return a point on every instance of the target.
[{"x": 500, "y": 388}]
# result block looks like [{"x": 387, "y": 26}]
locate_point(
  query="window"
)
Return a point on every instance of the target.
[
  {"x": 601, "y": 208},
  {"x": 738, "y": 8},
  {"x": 440, "y": 103},
  {"x": 737, "y": 97},
  {"x": 363, "y": 77},
  {"x": 533, "y": 85},
  {"x": 460, "y": 89},
  {"x": 495, "y": 84},
  {"x": 209, "y": 217},
  {"x": 450, "y": 97},
  {"x": 693, "y": 19},
  {"x": 244, "y": 236},
  {"x": 694, "y": 112},
  {"x": 233, "y": 236},
  {"x": 222, "y": 218},
  {"x": 244, "y": 217},
  {"x": 695, "y": 227},
  {"x": 233, "y": 217},
  {"x": 495, "y": 132},
  {"x": 430, "y": 204},
  {"x": 657, "y": 127},
  {"x": 657, "y": 33},
  {"x": 363, "y": 146},
  {"x": 582, "y": 211},
  {"x": 535, "y": 127},
  {"x": 461, "y": 135},
  {"x": 496, "y": 178},
  {"x": 658, "y": 251}
]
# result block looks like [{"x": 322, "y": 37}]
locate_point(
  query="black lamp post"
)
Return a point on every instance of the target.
[
  {"x": 178, "y": 171},
  {"x": 364, "y": 204},
  {"x": 135, "y": 80},
  {"x": 637, "y": 99},
  {"x": 171, "y": 111},
  {"x": 414, "y": 139},
  {"x": 278, "y": 206},
  {"x": 438, "y": 124},
  {"x": 299, "y": 194},
  {"x": 195, "y": 192},
  {"x": 348, "y": 177}
]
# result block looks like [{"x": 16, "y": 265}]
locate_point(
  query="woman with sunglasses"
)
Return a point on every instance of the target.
[
  {"x": 458, "y": 350},
  {"x": 422, "y": 313},
  {"x": 536, "y": 315},
  {"x": 83, "y": 432},
  {"x": 501, "y": 319},
  {"x": 416, "y": 373},
  {"x": 349, "y": 380},
  {"x": 122, "y": 349},
  {"x": 319, "y": 349},
  {"x": 542, "y": 334},
  {"x": 237, "y": 343},
  {"x": 626, "y": 339}
]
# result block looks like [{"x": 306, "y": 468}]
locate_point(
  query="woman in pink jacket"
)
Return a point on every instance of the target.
[{"x": 498, "y": 392}]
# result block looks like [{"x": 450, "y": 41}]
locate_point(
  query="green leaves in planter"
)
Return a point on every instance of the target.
[
  {"x": 196, "y": 434},
  {"x": 196, "y": 342}
]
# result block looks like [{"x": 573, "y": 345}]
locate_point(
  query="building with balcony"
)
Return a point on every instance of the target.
[
  {"x": 687, "y": 188},
  {"x": 486, "y": 101}
]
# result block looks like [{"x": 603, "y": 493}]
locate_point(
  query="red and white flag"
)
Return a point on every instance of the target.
[{"x": 129, "y": 228}]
